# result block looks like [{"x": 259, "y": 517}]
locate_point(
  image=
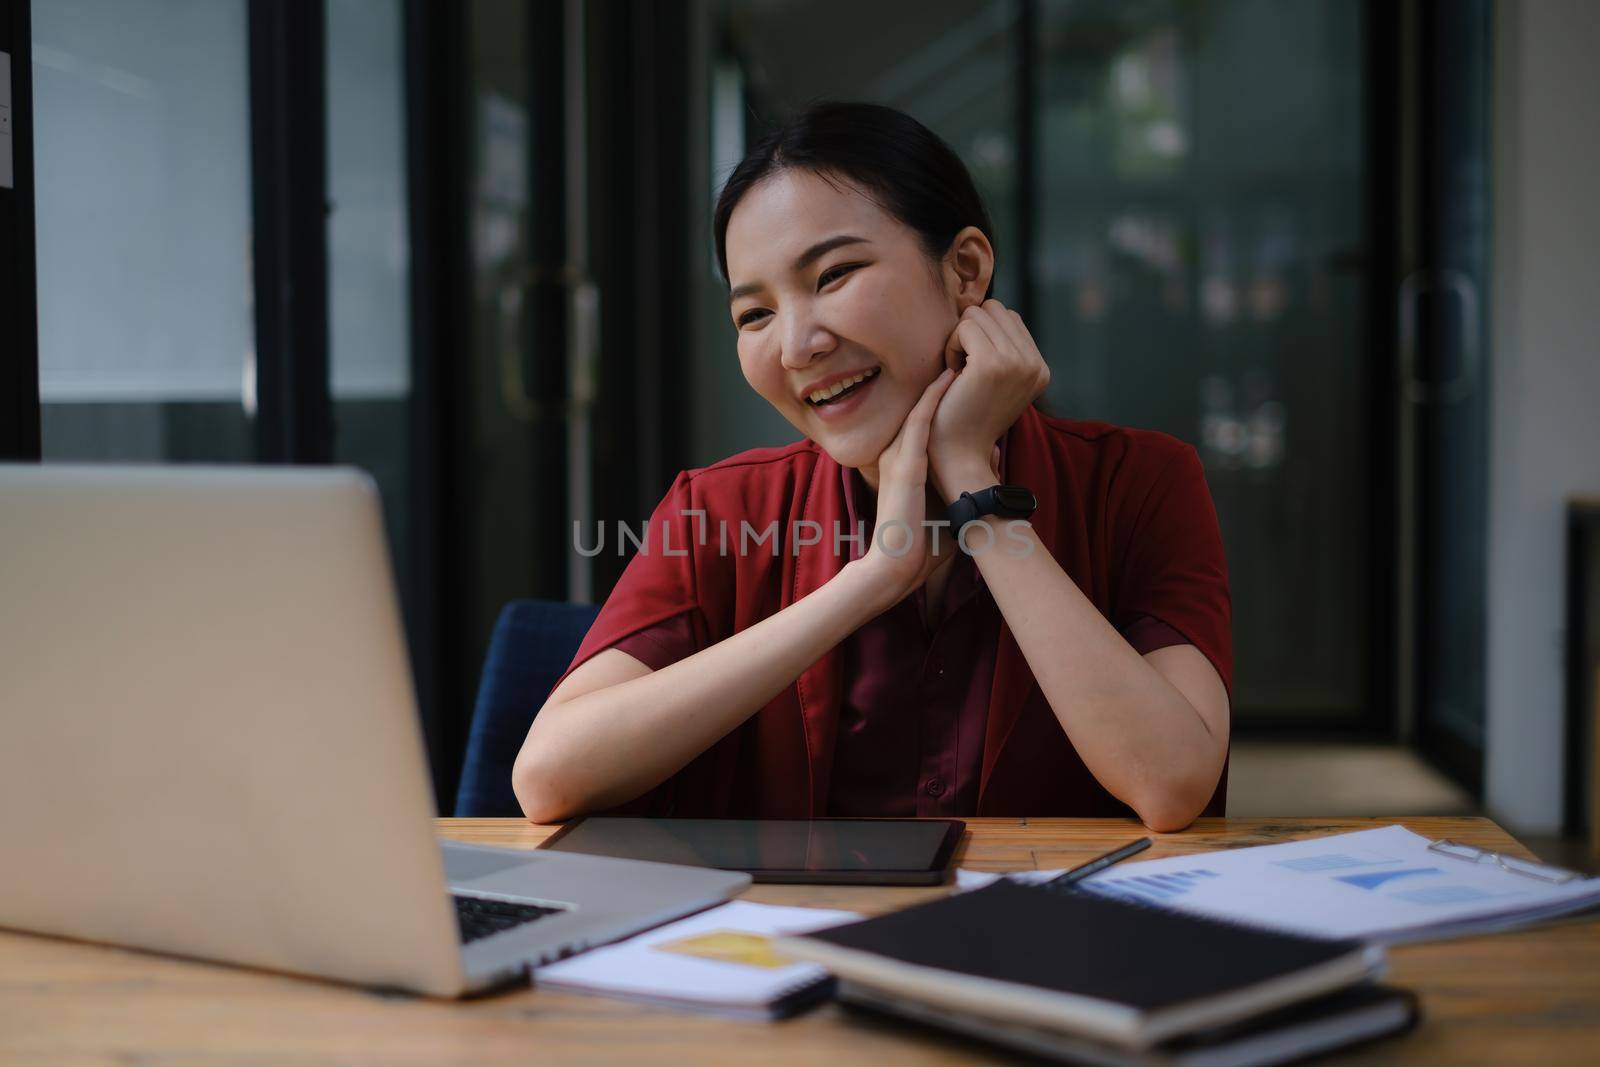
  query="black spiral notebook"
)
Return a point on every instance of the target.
[{"x": 1073, "y": 962}]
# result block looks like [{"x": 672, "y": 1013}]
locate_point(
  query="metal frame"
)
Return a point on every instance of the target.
[
  {"x": 1581, "y": 792},
  {"x": 1385, "y": 717},
  {"x": 437, "y": 148},
  {"x": 558, "y": 243},
  {"x": 1027, "y": 176},
  {"x": 1435, "y": 61},
  {"x": 639, "y": 174},
  {"x": 289, "y": 197},
  {"x": 19, "y": 304},
  {"x": 440, "y": 152}
]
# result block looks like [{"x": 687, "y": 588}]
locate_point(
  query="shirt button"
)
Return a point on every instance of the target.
[
  {"x": 936, "y": 665},
  {"x": 935, "y": 787}
]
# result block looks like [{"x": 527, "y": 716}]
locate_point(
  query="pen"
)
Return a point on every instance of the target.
[{"x": 1099, "y": 863}]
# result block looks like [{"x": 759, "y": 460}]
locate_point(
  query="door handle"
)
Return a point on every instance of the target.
[
  {"x": 1457, "y": 388},
  {"x": 583, "y": 343}
]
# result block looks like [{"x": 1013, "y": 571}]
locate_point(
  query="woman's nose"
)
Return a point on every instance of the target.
[{"x": 804, "y": 339}]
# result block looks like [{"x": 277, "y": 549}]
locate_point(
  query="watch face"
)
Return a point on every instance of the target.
[{"x": 1015, "y": 500}]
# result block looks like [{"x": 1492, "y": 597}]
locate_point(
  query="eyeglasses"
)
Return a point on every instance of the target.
[{"x": 1473, "y": 854}]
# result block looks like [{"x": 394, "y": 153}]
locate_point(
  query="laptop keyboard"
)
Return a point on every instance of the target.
[{"x": 480, "y": 917}]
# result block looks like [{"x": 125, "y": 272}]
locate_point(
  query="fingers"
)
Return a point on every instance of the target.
[
  {"x": 921, "y": 417},
  {"x": 920, "y": 413},
  {"x": 1000, "y": 334},
  {"x": 955, "y": 356},
  {"x": 903, "y": 467},
  {"x": 1021, "y": 339},
  {"x": 1008, "y": 324},
  {"x": 985, "y": 318},
  {"x": 976, "y": 332},
  {"x": 935, "y": 390}
]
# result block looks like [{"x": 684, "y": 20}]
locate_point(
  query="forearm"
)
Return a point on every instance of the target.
[
  {"x": 1138, "y": 735},
  {"x": 606, "y": 747}
]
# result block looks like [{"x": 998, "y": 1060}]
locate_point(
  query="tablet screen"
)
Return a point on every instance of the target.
[{"x": 884, "y": 851}]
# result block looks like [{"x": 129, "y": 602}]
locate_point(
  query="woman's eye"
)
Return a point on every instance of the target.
[
  {"x": 836, "y": 272},
  {"x": 826, "y": 278}
]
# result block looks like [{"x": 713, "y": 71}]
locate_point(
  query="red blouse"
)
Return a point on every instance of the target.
[
  {"x": 902, "y": 718},
  {"x": 916, "y": 698}
]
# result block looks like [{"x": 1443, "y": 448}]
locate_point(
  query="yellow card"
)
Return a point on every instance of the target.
[{"x": 729, "y": 946}]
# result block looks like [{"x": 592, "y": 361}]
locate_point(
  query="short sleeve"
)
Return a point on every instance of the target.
[
  {"x": 1146, "y": 635},
  {"x": 658, "y": 585},
  {"x": 1174, "y": 571},
  {"x": 663, "y": 644}
]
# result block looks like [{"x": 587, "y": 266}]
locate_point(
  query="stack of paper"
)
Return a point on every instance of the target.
[{"x": 1382, "y": 885}]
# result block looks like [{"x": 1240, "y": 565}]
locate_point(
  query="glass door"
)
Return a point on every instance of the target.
[
  {"x": 1203, "y": 228},
  {"x": 1443, "y": 408}
]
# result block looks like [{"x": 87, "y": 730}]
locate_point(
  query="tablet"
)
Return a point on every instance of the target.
[{"x": 832, "y": 851}]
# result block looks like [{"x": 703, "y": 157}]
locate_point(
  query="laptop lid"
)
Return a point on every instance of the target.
[{"x": 211, "y": 743}]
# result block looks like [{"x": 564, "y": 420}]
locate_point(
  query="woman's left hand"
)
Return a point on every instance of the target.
[{"x": 999, "y": 372}]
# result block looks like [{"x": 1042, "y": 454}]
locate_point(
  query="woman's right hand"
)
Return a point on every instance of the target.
[{"x": 903, "y": 489}]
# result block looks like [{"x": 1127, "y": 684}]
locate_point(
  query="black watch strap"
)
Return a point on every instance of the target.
[{"x": 1008, "y": 501}]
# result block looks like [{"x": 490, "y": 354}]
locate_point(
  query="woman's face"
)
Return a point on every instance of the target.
[{"x": 869, "y": 302}]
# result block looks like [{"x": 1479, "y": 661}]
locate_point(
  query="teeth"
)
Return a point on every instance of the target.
[{"x": 838, "y": 387}]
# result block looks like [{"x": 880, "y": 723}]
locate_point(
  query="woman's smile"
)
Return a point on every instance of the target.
[{"x": 848, "y": 398}]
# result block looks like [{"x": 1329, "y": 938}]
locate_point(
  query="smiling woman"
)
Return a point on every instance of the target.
[
  {"x": 1067, "y": 653},
  {"x": 868, "y": 281}
]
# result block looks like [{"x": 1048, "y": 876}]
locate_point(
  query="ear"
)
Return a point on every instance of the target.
[{"x": 967, "y": 268}]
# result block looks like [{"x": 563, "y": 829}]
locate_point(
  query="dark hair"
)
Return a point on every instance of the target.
[{"x": 898, "y": 162}]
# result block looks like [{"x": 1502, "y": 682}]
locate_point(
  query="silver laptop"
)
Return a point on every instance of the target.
[{"x": 209, "y": 743}]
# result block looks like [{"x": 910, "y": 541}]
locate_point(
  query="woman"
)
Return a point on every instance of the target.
[{"x": 1075, "y": 664}]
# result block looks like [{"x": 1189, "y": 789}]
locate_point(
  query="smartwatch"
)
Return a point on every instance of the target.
[{"x": 1007, "y": 501}]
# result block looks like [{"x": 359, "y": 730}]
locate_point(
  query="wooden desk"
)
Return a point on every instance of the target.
[{"x": 1527, "y": 997}]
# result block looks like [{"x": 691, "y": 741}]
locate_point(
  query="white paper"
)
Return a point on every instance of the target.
[
  {"x": 1381, "y": 885},
  {"x": 636, "y": 969}
]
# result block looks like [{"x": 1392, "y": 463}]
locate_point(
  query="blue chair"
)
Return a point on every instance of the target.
[{"x": 533, "y": 642}]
